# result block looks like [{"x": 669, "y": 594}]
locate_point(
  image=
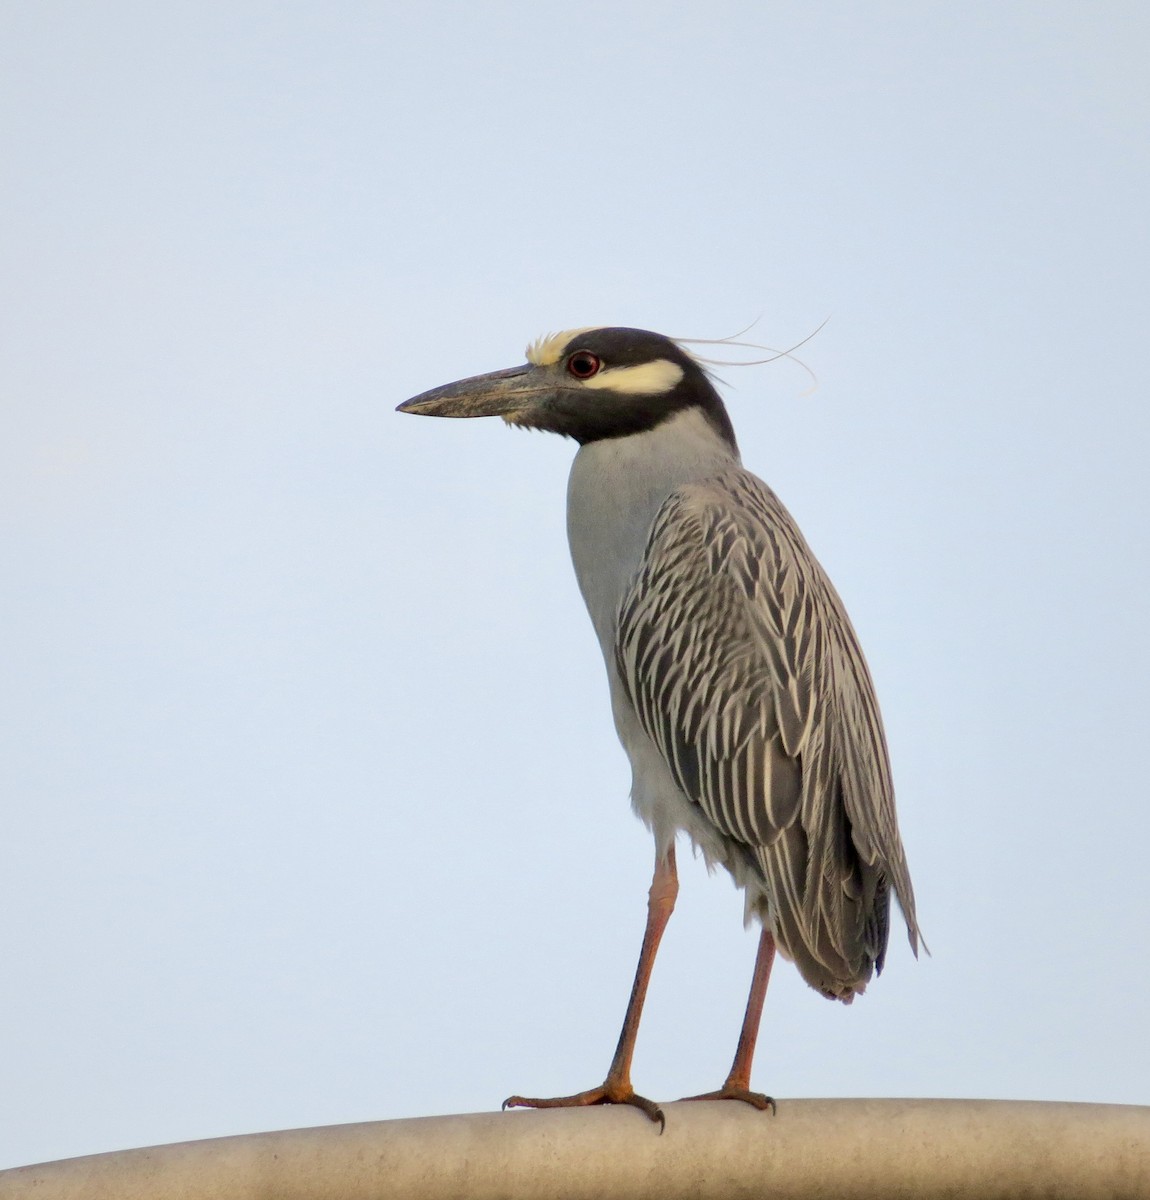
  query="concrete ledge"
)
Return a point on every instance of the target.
[{"x": 847, "y": 1149}]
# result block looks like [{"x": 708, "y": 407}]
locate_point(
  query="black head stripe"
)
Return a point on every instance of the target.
[{"x": 600, "y": 413}]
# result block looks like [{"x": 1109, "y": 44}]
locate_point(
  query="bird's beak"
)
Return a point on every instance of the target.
[{"x": 499, "y": 394}]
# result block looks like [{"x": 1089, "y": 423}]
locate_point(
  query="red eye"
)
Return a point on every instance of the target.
[{"x": 583, "y": 364}]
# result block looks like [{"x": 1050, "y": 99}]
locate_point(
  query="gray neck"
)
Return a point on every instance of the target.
[{"x": 617, "y": 485}]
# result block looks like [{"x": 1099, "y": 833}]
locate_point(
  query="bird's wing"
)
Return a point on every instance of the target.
[{"x": 740, "y": 661}]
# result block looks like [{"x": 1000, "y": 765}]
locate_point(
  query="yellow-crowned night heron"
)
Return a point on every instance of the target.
[{"x": 738, "y": 686}]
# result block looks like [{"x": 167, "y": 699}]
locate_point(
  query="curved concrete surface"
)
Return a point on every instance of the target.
[{"x": 848, "y": 1149}]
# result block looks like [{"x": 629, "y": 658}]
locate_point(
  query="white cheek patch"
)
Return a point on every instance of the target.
[{"x": 647, "y": 379}]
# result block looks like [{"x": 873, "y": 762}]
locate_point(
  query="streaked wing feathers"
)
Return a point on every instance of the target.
[{"x": 743, "y": 668}]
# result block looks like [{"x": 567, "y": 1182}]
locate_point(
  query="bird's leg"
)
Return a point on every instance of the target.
[
  {"x": 616, "y": 1088},
  {"x": 738, "y": 1085}
]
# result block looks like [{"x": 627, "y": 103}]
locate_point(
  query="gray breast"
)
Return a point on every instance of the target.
[{"x": 616, "y": 488}]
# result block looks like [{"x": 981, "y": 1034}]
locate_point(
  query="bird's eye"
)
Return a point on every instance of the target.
[{"x": 583, "y": 364}]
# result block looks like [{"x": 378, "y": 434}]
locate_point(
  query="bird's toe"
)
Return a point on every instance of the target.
[
  {"x": 754, "y": 1099},
  {"x": 606, "y": 1093}
]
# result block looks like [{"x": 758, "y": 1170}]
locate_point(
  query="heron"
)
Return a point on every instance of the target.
[{"x": 738, "y": 687}]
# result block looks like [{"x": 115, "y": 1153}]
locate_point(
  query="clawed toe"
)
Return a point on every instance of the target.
[
  {"x": 754, "y": 1099},
  {"x": 605, "y": 1094}
]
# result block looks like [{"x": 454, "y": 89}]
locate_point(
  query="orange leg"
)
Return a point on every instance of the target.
[
  {"x": 616, "y": 1088},
  {"x": 738, "y": 1085}
]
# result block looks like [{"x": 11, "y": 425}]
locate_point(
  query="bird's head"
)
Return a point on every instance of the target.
[{"x": 587, "y": 384}]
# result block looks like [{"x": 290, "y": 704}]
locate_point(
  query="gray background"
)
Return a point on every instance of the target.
[{"x": 312, "y": 807}]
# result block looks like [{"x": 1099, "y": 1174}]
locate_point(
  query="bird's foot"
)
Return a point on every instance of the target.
[
  {"x": 731, "y": 1092},
  {"x": 606, "y": 1093}
]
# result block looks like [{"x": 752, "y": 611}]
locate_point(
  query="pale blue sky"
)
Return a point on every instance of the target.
[{"x": 312, "y": 807}]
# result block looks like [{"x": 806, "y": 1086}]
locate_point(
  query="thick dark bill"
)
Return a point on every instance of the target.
[{"x": 497, "y": 394}]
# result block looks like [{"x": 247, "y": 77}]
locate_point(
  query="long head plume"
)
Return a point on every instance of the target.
[
  {"x": 547, "y": 349},
  {"x": 734, "y": 340}
]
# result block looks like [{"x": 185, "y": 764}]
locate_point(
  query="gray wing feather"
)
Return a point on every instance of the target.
[{"x": 740, "y": 661}]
